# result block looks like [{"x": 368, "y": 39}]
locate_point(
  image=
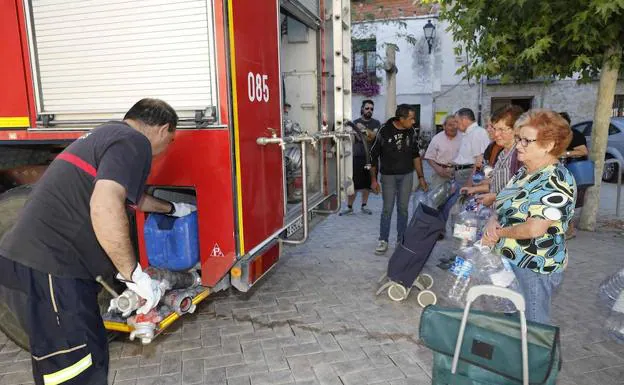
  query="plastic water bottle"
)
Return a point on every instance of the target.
[
  {"x": 478, "y": 177},
  {"x": 438, "y": 196},
  {"x": 492, "y": 269},
  {"x": 615, "y": 322},
  {"x": 465, "y": 229},
  {"x": 420, "y": 197},
  {"x": 483, "y": 216},
  {"x": 459, "y": 279},
  {"x": 611, "y": 288}
]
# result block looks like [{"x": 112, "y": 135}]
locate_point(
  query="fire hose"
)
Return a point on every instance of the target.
[{"x": 178, "y": 288}]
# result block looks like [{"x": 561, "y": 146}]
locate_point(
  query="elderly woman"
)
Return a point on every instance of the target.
[
  {"x": 506, "y": 162},
  {"x": 534, "y": 210},
  {"x": 492, "y": 150}
]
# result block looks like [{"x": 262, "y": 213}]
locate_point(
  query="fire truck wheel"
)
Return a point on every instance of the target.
[
  {"x": 12, "y": 328},
  {"x": 11, "y": 202},
  {"x": 11, "y": 157}
]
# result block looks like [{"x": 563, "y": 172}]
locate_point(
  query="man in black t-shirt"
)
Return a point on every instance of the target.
[
  {"x": 396, "y": 145},
  {"x": 366, "y": 129},
  {"x": 73, "y": 228}
]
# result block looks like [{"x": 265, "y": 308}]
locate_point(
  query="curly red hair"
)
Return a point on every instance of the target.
[{"x": 550, "y": 127}]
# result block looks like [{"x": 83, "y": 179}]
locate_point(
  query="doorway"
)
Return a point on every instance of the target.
[
  {"x": 299, "y": 67},
  {"x": 526, "y": 102}
]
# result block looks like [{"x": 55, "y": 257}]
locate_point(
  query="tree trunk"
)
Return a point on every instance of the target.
[
  {"x": 391, "y": 70},
  {"x": 600, "y": 134}
]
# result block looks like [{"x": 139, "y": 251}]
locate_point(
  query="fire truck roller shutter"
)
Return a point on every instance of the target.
[{"x": 94, "y": 60}]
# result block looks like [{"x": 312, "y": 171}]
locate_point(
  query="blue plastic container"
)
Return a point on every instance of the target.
[
  {"x": 583, "y": 172},
  {"x": 172, "y": 243}
]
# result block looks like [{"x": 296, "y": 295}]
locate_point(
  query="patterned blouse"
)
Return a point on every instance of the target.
[
  {"x": 502, "y": 170},
  {"x": 548, "y": 193}
]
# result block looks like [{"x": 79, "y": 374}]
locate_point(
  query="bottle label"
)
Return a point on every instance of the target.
[
  {"x": 468, "y": 233},
  {"x": 461, "y": 267},
  {"x": 502, "y": 278}
]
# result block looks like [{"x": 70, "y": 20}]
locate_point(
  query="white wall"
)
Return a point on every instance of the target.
[{"x": 416, "y": 68}]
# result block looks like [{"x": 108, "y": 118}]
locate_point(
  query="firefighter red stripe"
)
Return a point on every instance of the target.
[{"x": 76, "y": 161}]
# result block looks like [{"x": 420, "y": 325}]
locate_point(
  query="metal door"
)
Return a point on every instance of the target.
[{"x": 254, "y": 62}]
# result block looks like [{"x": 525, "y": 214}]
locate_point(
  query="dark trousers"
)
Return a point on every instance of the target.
[{"x": 62, "y": 318}]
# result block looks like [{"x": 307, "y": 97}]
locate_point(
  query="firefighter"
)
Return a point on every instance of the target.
[{"x": 73, "y": 228}]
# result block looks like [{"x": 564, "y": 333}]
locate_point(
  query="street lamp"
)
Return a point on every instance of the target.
[{"x": 429, "y": 29}]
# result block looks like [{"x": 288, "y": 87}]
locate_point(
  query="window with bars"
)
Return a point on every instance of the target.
[
  {"x": 365, "y": 56},
  {"x": 364, "y": 68},
  {"x": 618, "y": 105}
]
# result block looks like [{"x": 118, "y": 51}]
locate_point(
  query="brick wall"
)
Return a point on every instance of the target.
[{"x": 387, "y": 9}]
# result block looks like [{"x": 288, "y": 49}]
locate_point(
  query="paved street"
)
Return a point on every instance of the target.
[{"x": 315, "y": 320}]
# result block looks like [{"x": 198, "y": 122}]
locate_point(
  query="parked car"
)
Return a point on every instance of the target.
[{"x": 615, "y": 145}]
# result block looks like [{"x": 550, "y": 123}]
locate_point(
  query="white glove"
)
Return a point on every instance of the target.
[
  {"x": 182, "y": 209},
  {"x": 145, "y": 287}
]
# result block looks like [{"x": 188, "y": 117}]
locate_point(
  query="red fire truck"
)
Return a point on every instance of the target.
[{"x": 231, "y": 69}]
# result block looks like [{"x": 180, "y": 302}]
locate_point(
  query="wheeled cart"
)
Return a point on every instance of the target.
[{"x": 406, "y": 264}]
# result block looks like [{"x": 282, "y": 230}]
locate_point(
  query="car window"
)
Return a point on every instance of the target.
[
  {"x": 613, "y": 130},
  {"x": 584, "y": 128}
]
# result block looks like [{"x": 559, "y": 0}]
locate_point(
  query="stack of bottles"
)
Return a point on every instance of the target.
[
  {"x": 477, "y": 265},
  {"x": 469, "y": 223}
]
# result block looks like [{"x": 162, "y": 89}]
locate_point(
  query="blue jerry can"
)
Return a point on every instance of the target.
[{"x": 172, "y": 243}]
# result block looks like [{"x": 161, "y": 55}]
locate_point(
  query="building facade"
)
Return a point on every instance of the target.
[{"x": 430, "y": 80}]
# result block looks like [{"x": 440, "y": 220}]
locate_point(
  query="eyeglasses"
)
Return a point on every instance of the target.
[
  {"x": 502, "y": 129},
  {"x": 524, "y": 141}
]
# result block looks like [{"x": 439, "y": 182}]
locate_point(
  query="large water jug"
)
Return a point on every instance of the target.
[{"x": 172, "y": 243}]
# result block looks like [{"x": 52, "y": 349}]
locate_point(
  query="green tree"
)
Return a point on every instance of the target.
[{"x": 528, "y": 39}]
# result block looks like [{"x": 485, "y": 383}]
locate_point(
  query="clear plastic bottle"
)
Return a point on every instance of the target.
[
  {"x": 615, "y": 322},
  {"x": 465, "y": 228},
  {"x": 478, "y": 177},
  {"x": 437, "y": 197},
  {"x": 483, "y": 216},
  {"x": 492, "y": 269},
  {"x": 459, "y": 279},
  {"x": 611, "y": 288}
]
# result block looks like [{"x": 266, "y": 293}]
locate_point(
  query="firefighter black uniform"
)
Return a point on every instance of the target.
[{"x": 50, "y": 258}]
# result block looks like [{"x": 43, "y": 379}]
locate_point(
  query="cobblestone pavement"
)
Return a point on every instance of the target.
[{"x": 315, "y": 319}]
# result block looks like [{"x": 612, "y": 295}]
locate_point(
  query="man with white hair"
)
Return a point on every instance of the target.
[{"x": 442, "y": 150}]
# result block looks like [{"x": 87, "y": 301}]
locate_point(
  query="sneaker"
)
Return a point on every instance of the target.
[
  {"x": 382, "y": 247},
  {"x": 366, "y": 211},
  {"x": 346, "y": 212}
]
